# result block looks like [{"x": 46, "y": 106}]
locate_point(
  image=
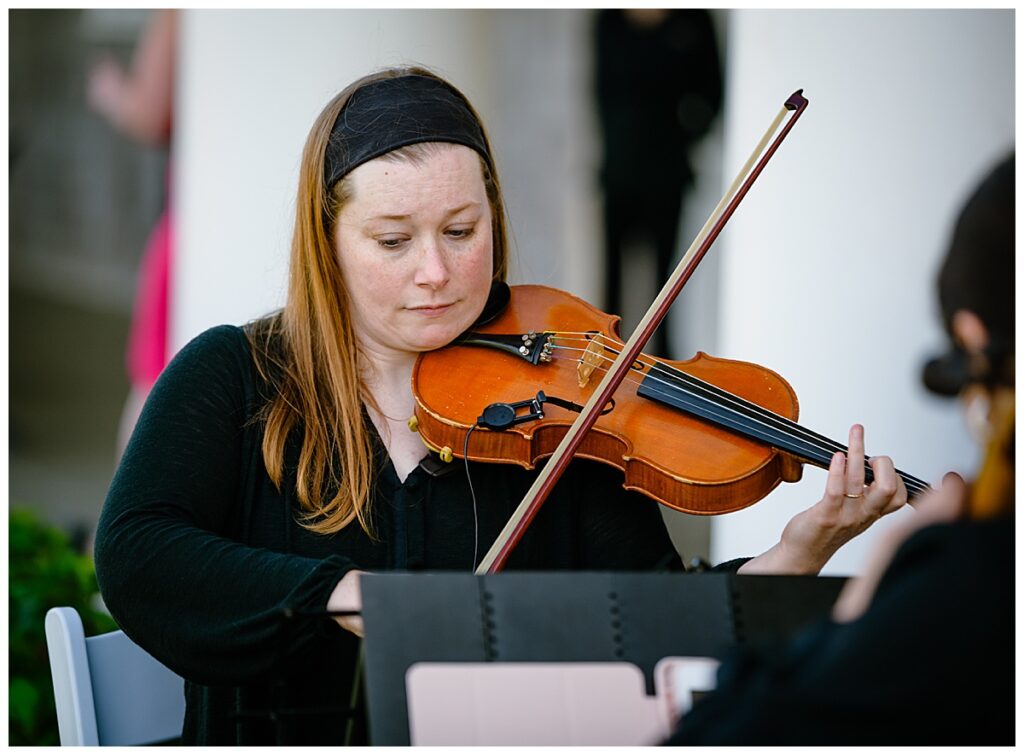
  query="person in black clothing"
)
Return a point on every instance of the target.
[
  {"x": 658, "y": 89},
  {"x": 272, "y": 464},
  {"x": 921, "y": 646}
]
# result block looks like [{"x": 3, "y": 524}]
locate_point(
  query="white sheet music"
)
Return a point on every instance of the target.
[{"x": 549, "y": 703}]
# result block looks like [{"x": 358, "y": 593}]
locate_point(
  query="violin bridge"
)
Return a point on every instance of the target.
[{"x": 592, "y": 357}]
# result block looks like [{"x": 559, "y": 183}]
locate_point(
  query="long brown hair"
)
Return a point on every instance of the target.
[{"x": 308, "y": 351}]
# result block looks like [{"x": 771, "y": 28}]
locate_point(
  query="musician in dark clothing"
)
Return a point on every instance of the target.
[
  {"x": 921, "y": 646},
  {"x": 273, "y": 464},
  {"x": 658, "y": 89}
]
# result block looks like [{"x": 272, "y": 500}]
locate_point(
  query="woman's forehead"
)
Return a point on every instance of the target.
[
  {"x": 440, "y": 175},
  {"x": 421, "y": 155}
]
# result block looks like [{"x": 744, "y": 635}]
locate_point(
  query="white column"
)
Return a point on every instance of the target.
[{"x": 828, "y": 268}]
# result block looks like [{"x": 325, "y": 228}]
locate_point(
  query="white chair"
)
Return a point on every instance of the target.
[{"x": 108, "y": 690}]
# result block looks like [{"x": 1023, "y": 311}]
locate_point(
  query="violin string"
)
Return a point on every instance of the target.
[
  {"x": 651, "y": 376},
  {"x": 723, "y": 398},
  {"x": 742, "y": 405},
  {"x": 759, "y": 415},
  {"x": 756, "y": 413},
  {"x": 913, "y": 485}
]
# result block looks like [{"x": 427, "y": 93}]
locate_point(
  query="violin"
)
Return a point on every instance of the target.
[{"x": 702, "y": 436}]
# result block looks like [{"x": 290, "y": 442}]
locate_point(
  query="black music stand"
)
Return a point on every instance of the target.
[{"x": 567, "y": 616}]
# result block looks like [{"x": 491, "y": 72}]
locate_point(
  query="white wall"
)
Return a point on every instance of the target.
[{"x": 828, "y": 267}]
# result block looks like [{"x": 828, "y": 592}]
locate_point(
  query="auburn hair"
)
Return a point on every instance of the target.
[{"x": 308, "y": 353}]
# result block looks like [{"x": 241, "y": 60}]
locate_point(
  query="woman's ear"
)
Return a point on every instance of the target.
[{"x": 969, "y": 331}]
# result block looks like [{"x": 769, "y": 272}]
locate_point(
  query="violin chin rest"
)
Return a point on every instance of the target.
[{"x": 497, "y": 300}]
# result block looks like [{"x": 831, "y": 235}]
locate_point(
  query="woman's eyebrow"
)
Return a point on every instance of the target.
[
  {"x": 457, "y": 210},
  {"x": 448, "y": 214}
]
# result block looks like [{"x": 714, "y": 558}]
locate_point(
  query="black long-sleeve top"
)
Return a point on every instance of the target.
[
  {"x": 931, "y": 661},
  {"x": 200, "y": 558}
]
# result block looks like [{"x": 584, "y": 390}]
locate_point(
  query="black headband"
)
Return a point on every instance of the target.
[{"x": 392, "y": 113}]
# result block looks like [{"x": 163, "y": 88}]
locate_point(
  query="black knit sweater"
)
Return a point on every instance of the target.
[{"x": 201, "y": 561}]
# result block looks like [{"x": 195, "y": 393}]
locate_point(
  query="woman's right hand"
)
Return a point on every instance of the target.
[{"x": 348, "y": 597}]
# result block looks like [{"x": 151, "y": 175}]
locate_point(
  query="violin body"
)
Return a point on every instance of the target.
[{"x": 683, "y": 462}]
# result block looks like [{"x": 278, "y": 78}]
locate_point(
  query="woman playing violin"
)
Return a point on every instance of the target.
[{"x": 272, "y": 463}]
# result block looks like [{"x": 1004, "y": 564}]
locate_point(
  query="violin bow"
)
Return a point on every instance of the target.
[{"x": 509, "y": 537}]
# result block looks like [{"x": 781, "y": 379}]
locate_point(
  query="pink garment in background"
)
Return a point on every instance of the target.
[{"x": 146, "y": 354}]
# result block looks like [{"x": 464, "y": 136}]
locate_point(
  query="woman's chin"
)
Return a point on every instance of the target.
[{"x": 435, "y": 338}]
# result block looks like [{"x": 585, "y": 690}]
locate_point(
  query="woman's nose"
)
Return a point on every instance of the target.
[{"x": 432, "y": 270}]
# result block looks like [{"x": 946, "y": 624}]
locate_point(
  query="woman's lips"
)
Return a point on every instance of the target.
[{"x": 432, "y": 310}]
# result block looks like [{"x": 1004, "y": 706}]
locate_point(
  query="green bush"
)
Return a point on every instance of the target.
[{"x": 45, "y": 571}]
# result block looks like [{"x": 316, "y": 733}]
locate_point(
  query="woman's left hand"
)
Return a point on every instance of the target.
[{"x": 848, "y": 508}]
